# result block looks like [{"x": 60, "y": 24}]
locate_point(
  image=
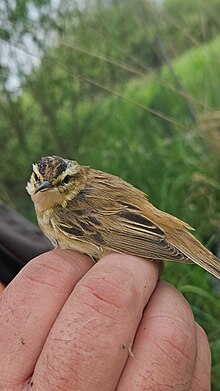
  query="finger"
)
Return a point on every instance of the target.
[
  {"x": 29, "y": 307},
  {"x": 165, "y": 345},
  {"x": 202, "y": 372},
  {"x": 1, "y": 287},
  {"x": 84, "y": 350}
]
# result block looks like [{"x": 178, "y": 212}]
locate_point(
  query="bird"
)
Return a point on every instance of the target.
[{"x": 96, "y": 213}]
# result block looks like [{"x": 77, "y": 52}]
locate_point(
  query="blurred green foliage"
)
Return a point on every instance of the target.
[{"x": 129, "y": 87}]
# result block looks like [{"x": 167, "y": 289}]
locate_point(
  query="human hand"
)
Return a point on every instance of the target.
[
  {"x": 67, "y": 326},
  {"x": 1, "y": 287}
]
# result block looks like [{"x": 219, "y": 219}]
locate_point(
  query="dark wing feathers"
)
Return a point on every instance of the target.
[
  {"x": 122, "y": 228},
  {"x": 71, "y": 230},
  {"x": 140, "y": 223}
]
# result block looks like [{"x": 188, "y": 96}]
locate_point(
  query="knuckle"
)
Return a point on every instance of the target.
[
  {"x": 109, "y": 293},
  {"x": 179, "y": 341}
]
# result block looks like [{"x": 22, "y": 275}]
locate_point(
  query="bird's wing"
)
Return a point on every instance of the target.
[
  {"x": 117, "y": 226},
  {"x": 138, "y": 235}
]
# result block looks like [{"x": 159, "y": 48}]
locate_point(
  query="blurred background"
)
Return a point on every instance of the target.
[{"x": 131, "y": 87}]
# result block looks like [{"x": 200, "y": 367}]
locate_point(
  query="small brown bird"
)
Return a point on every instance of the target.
[{"x": 95, "y": 213}]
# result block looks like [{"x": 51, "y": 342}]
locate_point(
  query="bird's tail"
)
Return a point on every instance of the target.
[{"x": 194, "y": 250}]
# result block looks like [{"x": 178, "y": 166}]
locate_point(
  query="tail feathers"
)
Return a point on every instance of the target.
[
  {"x": 211, "y": 264},
  {"x": 196, "y": 252}
]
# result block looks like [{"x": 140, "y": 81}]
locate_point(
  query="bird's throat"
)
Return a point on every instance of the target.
[{"x": 48, "y": 199}]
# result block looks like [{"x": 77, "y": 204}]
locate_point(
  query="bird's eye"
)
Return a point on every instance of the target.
[
  {"x": 66, "y": 179},
  {"x": 35, "y": 177}
]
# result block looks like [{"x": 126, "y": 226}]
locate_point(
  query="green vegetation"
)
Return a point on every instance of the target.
[{"x": 132, "y": 88}]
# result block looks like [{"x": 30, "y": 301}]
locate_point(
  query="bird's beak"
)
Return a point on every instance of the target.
[{"x": 45, "y": 185}]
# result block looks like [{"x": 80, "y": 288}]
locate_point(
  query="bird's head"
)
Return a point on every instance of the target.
[{"x": 54, "y": 181}]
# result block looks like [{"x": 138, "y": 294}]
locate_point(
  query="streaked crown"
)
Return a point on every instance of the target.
[{"x": 52, "y": 167}]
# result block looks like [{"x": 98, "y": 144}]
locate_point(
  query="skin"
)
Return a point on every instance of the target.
[
  {"x": 66, "y": 325},
  {"x": 1, "y": 287}
]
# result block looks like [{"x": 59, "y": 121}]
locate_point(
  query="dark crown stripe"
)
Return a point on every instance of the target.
[{"x": 53, "y": 164}]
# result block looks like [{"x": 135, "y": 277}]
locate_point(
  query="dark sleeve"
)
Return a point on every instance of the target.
[{"x": 20, "y": 241}]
